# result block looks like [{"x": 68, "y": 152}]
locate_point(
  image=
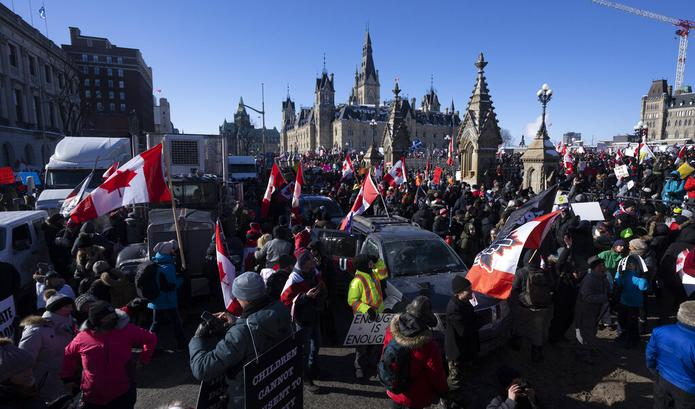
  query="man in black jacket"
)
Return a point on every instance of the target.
[{"x": 461, "y": 342}]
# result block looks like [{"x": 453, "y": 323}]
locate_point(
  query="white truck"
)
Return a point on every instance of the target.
[
  {"x": 74, "y": 158},
  {"x": 242, "y": 168}
]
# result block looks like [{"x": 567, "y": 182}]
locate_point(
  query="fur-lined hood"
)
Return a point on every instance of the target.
[
  {"x": 415, "y": 342},
  {"x": 686, "y": 313},
  {"x": 91, "y": 254},
  {"x": 34, "y": 321}
]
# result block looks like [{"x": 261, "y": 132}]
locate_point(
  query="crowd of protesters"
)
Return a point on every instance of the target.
[{"x": 614, "y": 274}]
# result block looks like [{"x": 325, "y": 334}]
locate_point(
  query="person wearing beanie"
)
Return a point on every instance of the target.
[
  {"x": 104, "y": 348},
  {"x": 45, "y": 338},
  {"x": 18, "y": 387},
  {"x": 611, "y": 258},
  {"x": 632, "y": 282},
  {"x": 411, "y": 331},
  {"x": 280, "y": 244},
  {"x": 366, "y": 297},
  {"x": 669, "y": 355},
  {"x": 263, "y": 324},
  {"x": 165, "y": 306},
  {"x": 51, "y": 280},
  {"x": 461, "y": 341}
]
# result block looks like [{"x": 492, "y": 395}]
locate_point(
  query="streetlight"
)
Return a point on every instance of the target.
[
  {"x": 262, "y": 112},
  {"x": 640, "y": 131},
  {"x": 373, "y": 125},
  {"x": 545, "y": 94}
]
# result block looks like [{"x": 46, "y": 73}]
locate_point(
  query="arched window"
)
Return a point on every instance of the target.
[
  {"x": 529, "y": 177},
  {"x": 8, "y": 157},
  {"x": 28, "y": 154}
]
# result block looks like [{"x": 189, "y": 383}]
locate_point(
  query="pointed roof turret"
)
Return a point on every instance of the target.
[
  {"x": 396, "y": 90},
  {"x": 241, "y": 108},
  {"x": 367, "y": 68},
  {"x": 451, "y": 108}
]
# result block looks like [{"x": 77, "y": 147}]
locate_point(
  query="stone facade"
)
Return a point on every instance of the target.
[
  {"x": 39, "y": 94},
  {"x": 347, "y": 126},
  {"x": 243, "y": 138},
  {"x": 540, "y": 161},
  {"x": 479, "y": 134},
  {"x": 668, "y": 116},
  {"x": 162, "y": 117}
]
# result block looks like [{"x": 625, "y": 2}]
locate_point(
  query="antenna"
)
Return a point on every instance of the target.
[
  {"x": 324, "y": 62},
  {"x": 431, "y": 82}
]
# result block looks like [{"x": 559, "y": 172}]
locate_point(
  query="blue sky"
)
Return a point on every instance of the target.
[{"x": 205, "y": 54}]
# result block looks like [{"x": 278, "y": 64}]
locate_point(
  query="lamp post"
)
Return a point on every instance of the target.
[
  {"x": 262, "y": 112},
  {"x": 545, "y": 94},
  {"x": 373, "y": 124},
  {"x": 640, "y": 132}
]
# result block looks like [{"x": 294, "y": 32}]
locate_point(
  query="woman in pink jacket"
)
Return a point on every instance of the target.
[{"x": 105, "y": 349}]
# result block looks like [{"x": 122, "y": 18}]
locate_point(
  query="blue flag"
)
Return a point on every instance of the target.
[{"x": 42, "y": 12}]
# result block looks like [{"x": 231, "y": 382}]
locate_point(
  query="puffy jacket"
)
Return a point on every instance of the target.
[
  {"x": 108, "y": 368},
  {"x": 671, "y": 351},
  {"x": 365, "y": 292},
  {"x": 45, "y": 338},
  {"x": 610, "y": 259},
  {"x": 631, "y": 288},
  {"x": 690, "y": 187},
  {"x": 272, "y": 251},
  {"x": 427, "y": 376},
  {"x": 211, "y": 358},
  {"x": 673, "y": 190},
  {"x": 167, "y": 298}
]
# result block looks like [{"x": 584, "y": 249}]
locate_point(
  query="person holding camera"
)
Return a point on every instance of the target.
[
  {"x": 516, "y": 392},
  {"x": 223, "y": 347}
]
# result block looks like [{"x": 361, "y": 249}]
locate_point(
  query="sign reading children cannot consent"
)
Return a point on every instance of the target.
[
  {"x": 274, "y": 380},
  {"x": 365, "y": 332}
]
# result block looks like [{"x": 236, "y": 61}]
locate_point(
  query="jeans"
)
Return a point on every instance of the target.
[
  {"x": 628, "y": 317},
  {"x": 125, "y": 401},
  {"x": 667, "y": 395},
  {"x": 311, "y": 338},
  {"x": 164, "y": 316}
]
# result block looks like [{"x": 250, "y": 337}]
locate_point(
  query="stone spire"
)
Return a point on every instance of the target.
[
  {"x": 367, "y": 87},
  {"x": 241, "y": 108},
  {"x": 368, "y": 69},
  {"x": 396, "y": 140}
]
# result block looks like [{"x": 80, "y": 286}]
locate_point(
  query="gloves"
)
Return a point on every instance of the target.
[
  {"x": 372, "y": 314},
  {"x": 209, "y": 329}
]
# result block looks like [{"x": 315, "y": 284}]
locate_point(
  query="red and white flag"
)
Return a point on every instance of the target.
[
  {"x": 367, "y": 195},
  {"x": 568, "y": 162},
  {"x": 298, "y": 183},
  {"x": 685, "y": 268},
  {"x": 619, "y": 154},
  {"x": 681, "y": 155},
  {"x": 348, "y": 169},
  {"x": 493, "y": 270},
  {"x": 72, "y": 199},
  {"x": 450, "y": 157},
  {"x": 110, "y": 171},
  {"x": 227, "y": 273},
  {"x": 294, "y": 287},
  {"x": 275, "y": 181},
  {"x": 140, "y": 180},
  {"x": 397, "y": 174}
]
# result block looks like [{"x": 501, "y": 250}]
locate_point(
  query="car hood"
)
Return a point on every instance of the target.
[{"x": 436, "y": 286}]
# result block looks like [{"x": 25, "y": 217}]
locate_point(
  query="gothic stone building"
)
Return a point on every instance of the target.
[
  {"x": 245, "y": 139},
  {"x": 667, "y": 115},
  {"x": 347, "y": 125}
]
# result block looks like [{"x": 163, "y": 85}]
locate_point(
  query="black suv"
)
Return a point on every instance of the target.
[{"x": 419, "y": 262}]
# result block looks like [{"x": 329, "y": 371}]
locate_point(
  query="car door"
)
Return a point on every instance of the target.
[{"x": 339, "y": 246}]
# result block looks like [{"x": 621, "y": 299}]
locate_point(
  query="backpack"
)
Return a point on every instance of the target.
[
  {"x": 394, "y": 367},
  {"x": 146, "y": 280},
  {"x": 538, "y": 291}
]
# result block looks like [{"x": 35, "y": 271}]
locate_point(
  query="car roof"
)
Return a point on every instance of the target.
[
  {"x": 393, "y": 233},
  {"x": 14, "y": 216}
]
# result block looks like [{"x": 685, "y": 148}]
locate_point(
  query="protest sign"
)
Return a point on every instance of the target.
[
  {"x": 8, "y": 312},
  {"x": 590, "y": 211},
  {"x": 6, "y": 176},
  {"x": 212, "y": 394},
  {"x": 621, "y": 172},
  {"x": 274, "y": 380},
  {"x": 365, "y": 332}
]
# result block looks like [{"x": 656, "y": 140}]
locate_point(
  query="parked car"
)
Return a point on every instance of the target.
[
  {"x": 310, "y": 204},
  {"x": 22, "y": 242},
  {"x": 419, "y": 262}
]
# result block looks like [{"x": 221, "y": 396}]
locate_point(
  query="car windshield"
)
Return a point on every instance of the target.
[
  {"x": 332, "y": 208},
  {"x": 70, "y": 178},
  {"x": 414, "y": 257}
]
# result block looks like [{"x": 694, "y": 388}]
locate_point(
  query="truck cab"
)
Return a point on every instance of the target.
[
  {"x": 242, "y": 168},
  {"x": 22, "y": 242}
]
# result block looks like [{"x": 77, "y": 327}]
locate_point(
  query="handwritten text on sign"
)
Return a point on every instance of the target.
[
  {"x": 365, "y": 332},
  {"x": 7, "y": 314}
]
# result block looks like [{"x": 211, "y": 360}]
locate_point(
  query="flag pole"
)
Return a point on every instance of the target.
[{"x": 167, "y": 161}]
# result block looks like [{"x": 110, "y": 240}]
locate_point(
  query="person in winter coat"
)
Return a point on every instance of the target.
[
  {"x": 51, "y": 280},
  {"x": 670, "y": 353},
  {"x": 674, "y": 189},
  {"x": 263, "y": 324},
  {"x": 279, "y": 245},
  {"x": 45, "y": 338},
  {"x": 591, "y": 300},
  {"x": 516, "y": 393},
  {"x": 631, "y": 282},
  {"x": 427, "y": 376},
  {"x": 165, "y": 306},
  {"x": 461, "y": 341},
  {"x": 104, "y": 349},
  {"x": 441, "y": 223},
  {"x": 671, "y": 292},
  {"x": 120, "y": 290},
  {"x": 18, "y": 389},
  {"x": 275, "y": 280},
  {"x": 469, "y": 244},
  {"x": 424, "y": 216},
  {"x": 50, "y": 228}
]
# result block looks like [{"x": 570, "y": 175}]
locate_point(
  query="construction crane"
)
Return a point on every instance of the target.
[{"x": 683, "y": 30}]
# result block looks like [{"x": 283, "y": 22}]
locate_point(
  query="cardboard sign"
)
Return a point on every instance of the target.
[
  {"x": 212, "y": 394},
  {"x": 6, "y": 176},
  {"x": 365, "y": 332},
  {"x": 621, "y": 171},
  {"x": 274, "y": 380},
  {"x": 590, "y": 211},
  {"x": 8, "y": 312}
]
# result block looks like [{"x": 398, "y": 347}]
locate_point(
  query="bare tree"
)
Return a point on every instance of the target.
[
  {"x": 71, "y": 108},
  {"x": 507, "y": 137}
]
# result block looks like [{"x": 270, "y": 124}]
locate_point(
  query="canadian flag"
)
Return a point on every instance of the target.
[
  {"x": 368, "y": 193},
  {"x": 493, "y": 270},
  {"x": 348, "y": 169},
  {"x": 140, "y": 180},
  {"x": 397, "y": 175},
  {"x": 681, "y": 156},
  {"x": 275, "y": 181},
  {"x": 568, "y": 161},
  {"x": 450, "y": 158},
  {"x": 619, "y": 155},
  {"x": 298, "y": 183},
  {"x": 110, "y": 171},
  {"x": 72, "y": 199},
  {"x": 227, "y": 273}
]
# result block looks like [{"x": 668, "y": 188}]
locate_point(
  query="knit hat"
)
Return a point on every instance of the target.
[
  {"x": 166, "y": 247},
  {"x": 626, "y": 234},
  {"x": 638, "y": 246},
  {"x": 13, "y": 360},
  {"x": 100, "y": 266},
  {"x": 618, "y": 243},
  {"x": 459, "y": 284},
  {"x": 57, "y": 301},
  {"x": 83, "y": 299},
  {"x": 677, "y": 210},
  {"x": 248, "y": 287},
  {"x": 686, "y": 313}
]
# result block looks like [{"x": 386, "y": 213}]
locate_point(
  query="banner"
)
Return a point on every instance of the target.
[
  {"x": 621, "y": 172},
  {"x": 8, "y": 312},
  {"x": 437, "y": 175},
  {"x": 538, "y": 206},
  {"x": 590, "y": 211},
  {"x": 212, "y": 394},
  {"x": 6, "y": 176},
  {"x": 274, "y": 380},
  {"x": 365, "y": 332}
]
